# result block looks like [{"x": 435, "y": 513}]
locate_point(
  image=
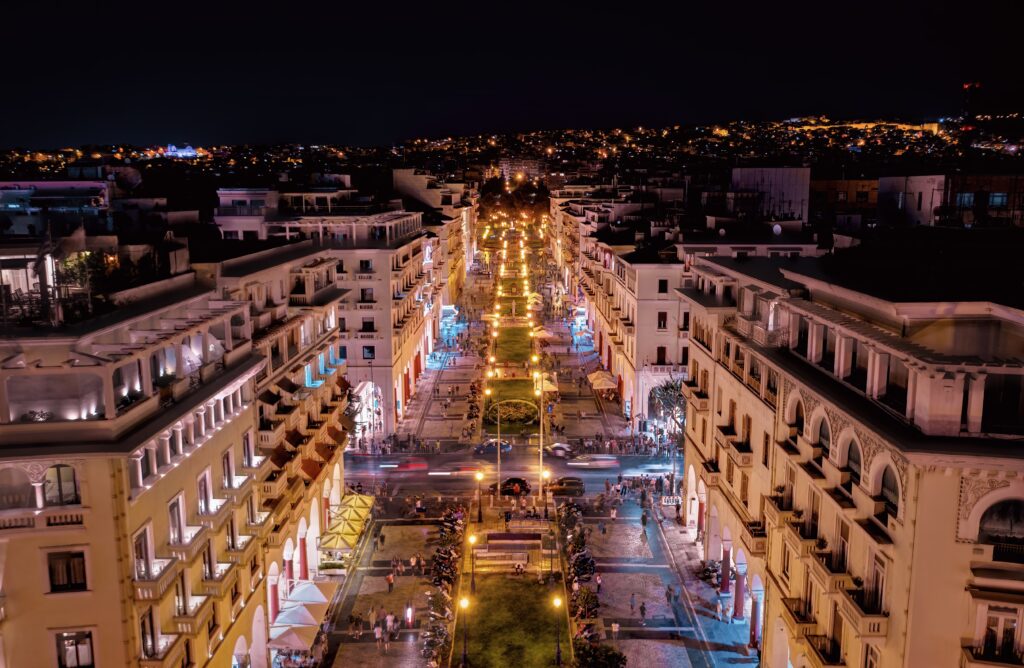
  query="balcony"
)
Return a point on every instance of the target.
[
  {"x": 797, "y": 616},
  {"x": 988, "y": 657},
  {"x": 151, "y": 585},
  {"x": 274, "y": 486},
  {"x": 32, "y": 519},
  {"x": 800, "y": 536},
  {"x": 259, "y": 466},
  {"x": 238, "y": 488},
  {"x": 167, "y": 653},
  {"x": 741, "y": 454},
  {"x": 193, "y": 621},
  {"x": 725, "y": 434},
  {"x": 270, "y": 433},
  {"x": 825, "y": 651},
  {"x": 863, "y": 609},
  {"x": 245, "y": 547},
  {"x": 710, "y": 473},
  {"x": 193, "y": 543},
  {"x": 219, "y": 582},
  {"x": 755, "y": 538},
  {"x": 261, "y": 524},
  {"x": 828, "y": 569},
  {"x": 695, "y": 396},
  {"x": 778, "y": 509},
  {"x": 216, "y": 514}
]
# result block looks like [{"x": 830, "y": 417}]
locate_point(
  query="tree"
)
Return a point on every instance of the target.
[
  {"x": 669, "y": 396},
  {"x": 597, "y": 655}
]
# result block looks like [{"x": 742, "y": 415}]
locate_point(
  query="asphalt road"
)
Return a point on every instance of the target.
[{"x": 453, "y": 473}]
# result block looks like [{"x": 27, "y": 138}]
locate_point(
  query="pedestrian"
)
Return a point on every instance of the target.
[
  {"x": 615, "y": 513},
  {"x": 401, "y": 567},
  {"x": 575, "y": 586},
  {"x": 632, "y": 603},
  {"x": 373, "y": 616},
  {"x": 718, "y": 609},
  {"x": 412, "y": 564},
  {"x": 378, "y": 634},
  {"x": 391, "y": 581},
  {"x": 643, "y": 613},
  {"x": 643, "y": 520},
  {"x": 668, "y": 594},
  {"x": 381, "y": 538},
  {"x": 597, "y": 581},
  {"x": 615, "y": 630}
]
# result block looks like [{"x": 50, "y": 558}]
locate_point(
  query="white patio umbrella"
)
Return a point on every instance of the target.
[
  {"x": 307, "y": 592},
  {"x": 602, "y": 380},
  {"x": 299, "y": 638},
  {"x": 296, "y": 615}
]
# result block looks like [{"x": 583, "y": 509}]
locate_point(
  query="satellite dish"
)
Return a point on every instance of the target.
[
  {"x": 721, "y": 231},
  {"x": 776, "y": 229}
]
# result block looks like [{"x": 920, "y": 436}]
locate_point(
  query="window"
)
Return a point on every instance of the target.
[
  {"x": 998, "y": 200},
  {"x": 1000, "y": 639},
  {"x": 841, "y": 196},
  {"x": 147, "y": 465},
  {"x": 67, "y": 571},
  {"x": 368, "y": 325},
  {"x": 227, "y": 471},
  {"x": 862, "y": 196},
  {"x": 824, "y": 439},
  {"x": 764, "y": 451},
  {"x": 342, "y": 352},
  {"x": 686, "y": 321},
  {"x": 785, "y": 562},
  {"x": 148, "y": 634},
  {"x": 60, "y": 487},
  {"x": 369, "y": 352},
  {"x": 662, "y": 286},
  {"x": 744, "y": 486},
  {"x": 74, "y": 650},
  {"x": 891, "y": 492},
  {"x": 366, "y": 295},
  {"x": 175, "y": 523},
  {"x": 965, "y": 200},
  {"x": 871, "y": 658},
  {"x": 247, "y": 450},
  {"x": 662, "y": 319},
  {"x": 140, "y": 548},
  {"x": 661, "y": 355},
  {"x": 203, "y": 494},
  {"x": 365, "y": 266},
  {"x": 211, "y": 625}
]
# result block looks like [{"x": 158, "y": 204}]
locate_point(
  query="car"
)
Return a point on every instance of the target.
[
  {"x": 561, "y": 450},
  {"x": 512, "y": 487},
  {"x": 490, "y": 447},
  {"x": 463, "y": 469},
  {"x": 594, "y": 462},
  {"x": 406, "y": 464},
  {"x": 566, "y": 486}
]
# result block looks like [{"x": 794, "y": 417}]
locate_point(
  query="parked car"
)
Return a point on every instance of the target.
[
  {"x": 561, "y": 450},
  {"x": 490, "y": 447},
  {"x": 512, "y": 487},
  {"x": 594, "y": 462},
  {"x": 566, "y": 486}
]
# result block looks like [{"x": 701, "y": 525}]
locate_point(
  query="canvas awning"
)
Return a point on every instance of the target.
[
  {"x": 347, "y": 422},
  {"x": 269, "y": 397},
  {"x": 324, "y": 451},
  {"x": 293, "y": 638},
  {"x": 294, "y": 438},
  {"x": 281, "y": 456},
  {"x": 296, "y": 615},
  {"x": 288, "y": 386},
  {"x": 337, "y": 541},
  {"x": 309, "y": 591},
  {"x": 339, "y": 437},
  {"x": 602, "y": 380},
  {"x": 346, "y": 525},
  {"x": 343, "y": 384}
]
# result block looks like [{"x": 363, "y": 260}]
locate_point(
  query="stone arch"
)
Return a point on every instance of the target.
[
  {"x": 313, "y": 535},
  {"x": 273, "y": 591},
  {"x": 258, "y": 648},
  {"x": 820, "y": 432},
  {"x": 713, "y": 541},
  {"x": 970, "y": 526},
  {"x": 850, "y": 454},
  {"x": 885, "y": 481},
  {"x": 796, "y": 414},
  {"x": 240, "y": 654}
]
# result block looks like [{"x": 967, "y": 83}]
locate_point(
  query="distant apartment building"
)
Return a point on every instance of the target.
[
  {"x": 851, "y": 460},
  {"x": 28, "y": 207},
  {"x": 455, "y": 205},
  {"x": 513, "y": 169},
  {"x": 914, "y": 200},
  {"x": 783, "y": 192},
  {"x": 388, "y": 321}
]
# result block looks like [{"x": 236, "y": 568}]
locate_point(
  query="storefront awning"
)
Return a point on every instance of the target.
[{"x": 357, "y": 501}]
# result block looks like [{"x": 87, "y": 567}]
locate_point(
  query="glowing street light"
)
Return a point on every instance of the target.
[{"x": 557, "y": 603}]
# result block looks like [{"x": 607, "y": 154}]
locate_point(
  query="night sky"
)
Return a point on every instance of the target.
[{"x": 376, "y": 72}]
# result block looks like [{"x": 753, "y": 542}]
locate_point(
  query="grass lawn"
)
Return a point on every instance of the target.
[
  {"x": 512, "y": 623},
  {"x": 514, "y": 344},
  {"x": 518, "y": 388}
]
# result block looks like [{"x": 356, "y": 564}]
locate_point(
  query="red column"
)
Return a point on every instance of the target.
[
  {"x": 700, "y": 518},
  {"x": 741, "y": 592},
  {"x": 724, "y": 588},
  {"x": 303, "y": 566},
  {"x": 274, "y": 601},
  {"x": 325, "y": 510},
  {"x": 755, "y": 620},
  {"x": 289, "y": 574}
]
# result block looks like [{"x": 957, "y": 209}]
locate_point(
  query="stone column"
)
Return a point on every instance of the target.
[
  {"x": 911, "y": 392},
  {"x": 303, "y": 566},
  {"x": 40, "y": 498},
  {"x": 109, "y": 404},
  {"x": 755, "y": 619},
  {"x": 975, "y": 402},
  {"x": 179, "y": 441},
  {"x": 146, "y": 371},
  {"x": 289, "y": 573},
  {"x": 165, "y": 447},
  {"x": 724, "y": 587},
  {"x": 274, "y": 600},
  {"x": 179, "y": 363},
  {"x": 201, "y": 421},
  {"x": 700, "y": 517},
  {"x": 741, "y": 591}
]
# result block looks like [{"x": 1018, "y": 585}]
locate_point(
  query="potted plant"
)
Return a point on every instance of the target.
[{"x": 821, "y": 544}]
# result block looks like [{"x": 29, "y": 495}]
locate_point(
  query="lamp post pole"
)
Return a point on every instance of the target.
[
  {"x": 558, "y": 632},
  {"x": 464, "y": 603},
  {"x": 479, "y": 499}
]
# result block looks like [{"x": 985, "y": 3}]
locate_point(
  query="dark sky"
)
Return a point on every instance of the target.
[{"x": 208, "y": 72}]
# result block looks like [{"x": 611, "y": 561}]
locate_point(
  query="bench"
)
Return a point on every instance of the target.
[{"x": 518, "y": 524}]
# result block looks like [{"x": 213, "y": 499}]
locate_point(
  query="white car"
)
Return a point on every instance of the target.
[
  {"x": 594, "y": 462},
  {"x": 562, "y": 450}
]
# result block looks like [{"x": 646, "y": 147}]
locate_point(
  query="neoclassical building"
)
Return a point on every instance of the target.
[{"x": 853, "y": 456}]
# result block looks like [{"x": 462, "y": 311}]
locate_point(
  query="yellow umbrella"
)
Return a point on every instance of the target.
[
  {"x": 357, "y": 501},
  {"x": 337, "y": 541},
  {"x": 346, "y": 526},
  {"x": 350, "y": 513}
]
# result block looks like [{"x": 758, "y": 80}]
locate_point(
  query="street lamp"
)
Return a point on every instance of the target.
[
  {"x": 479, "y": 499},
  {"x": 557, "y": 602},
  {"x": 546, "y": 475},
  {"x": 472, "y": 564},
  {"x": 464, "y": 604}
]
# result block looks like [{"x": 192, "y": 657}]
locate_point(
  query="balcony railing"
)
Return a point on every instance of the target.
[
  {"x": 797, "y": 616},
  {"x": 191, "y": 545},
  {"x": 167, "y": 653},
  {"x": 826, "y": 650},
  {"x": 864, "y": 606},
  {"x": 152, "y": 580},
  {"x": 990, "y": 657}
]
